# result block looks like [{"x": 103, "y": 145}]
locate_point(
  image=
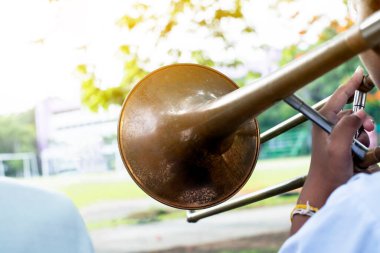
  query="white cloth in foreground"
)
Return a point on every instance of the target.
[
  {"x": 37, "y": 221},
  {"x": 349, "y": 221}
]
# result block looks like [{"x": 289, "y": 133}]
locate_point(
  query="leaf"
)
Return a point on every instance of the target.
[
  {"x": 200, "y": 57},
  {"x": 168, "y": 28},
  {"x": 220, "y": 14},
  {"x": 128, "y": 21},
  {"x": 302, "y": 32},
  {"x": 125, "y": 49},
  {"x": 314, "y": 19},
  {"x": 82, "y": 69},
  {"x": 249, "y": 29}
]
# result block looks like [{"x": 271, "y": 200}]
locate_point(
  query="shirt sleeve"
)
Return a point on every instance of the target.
[
  {"x": 349, "y": 222},
  {"x": 38, "y": 221}
]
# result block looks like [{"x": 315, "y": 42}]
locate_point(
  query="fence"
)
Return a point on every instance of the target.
[
  {"x": 291, "y": 143},
  {"x": 18, "y": 165}
]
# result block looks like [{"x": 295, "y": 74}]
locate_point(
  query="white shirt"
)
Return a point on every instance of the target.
[
  {"x": 37, "y": 221},
  {"x": 349, "y": 221}
]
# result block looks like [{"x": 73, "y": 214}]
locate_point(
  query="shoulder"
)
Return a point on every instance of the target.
[
  {"x": 349, "y": 222},
  {"x": 37, "y": 220},
  {"x": 16, "y": 194},
  {"x": 40, "y": 204},
  {"x": 361, "y": 191}
]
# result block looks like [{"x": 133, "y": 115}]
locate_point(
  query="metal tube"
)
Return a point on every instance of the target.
[
  {"x": 247, "y": 199},
  {"x": 165, "y": 143},
  {"x": 370, "y": 29},
  {"x": 361, "y": 96},
  {"x": 359, "y": 100},
  {"x": 249, "y": 101},
  {"x": 357, "y": 148},
  {"x": 309, "y": 113},
  {"x": 289, "y": 123}
]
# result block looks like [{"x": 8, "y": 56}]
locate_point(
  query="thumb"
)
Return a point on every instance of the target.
[{"x": 344, "y": 131}]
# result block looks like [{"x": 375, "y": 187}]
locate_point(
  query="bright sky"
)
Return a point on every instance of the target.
[{"x": 42, "y": 43}]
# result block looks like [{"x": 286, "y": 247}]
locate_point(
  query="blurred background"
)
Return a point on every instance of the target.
[{"x": 68, "y": 65}]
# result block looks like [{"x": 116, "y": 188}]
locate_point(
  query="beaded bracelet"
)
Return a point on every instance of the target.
[{"x": 301, "y": 209}]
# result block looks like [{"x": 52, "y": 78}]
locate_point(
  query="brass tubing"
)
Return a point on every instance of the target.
[
  {"x": 366, "y": 85},
  {"x": 357, "y": 147},
  {"x": 189, "y": 137},
  {"x": 289, "y": 123},
  {"x": 224, "y": 115},
  {"x": 372, "y": 157},
  {"x": 227, "y": 113},
  {"x": 248, "y": 199},
  {"x": 360, "y": 97}
]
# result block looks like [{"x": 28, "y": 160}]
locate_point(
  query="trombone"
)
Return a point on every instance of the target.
[
  {"x": 358, "y": 103},
  {"x": 189, "y": 138}
]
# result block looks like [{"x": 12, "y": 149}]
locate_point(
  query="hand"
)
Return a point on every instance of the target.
[
  {"x": 331, "y": 159},
  {"x": 331, "y": 162},
  {"x": 364, "y": 8}
]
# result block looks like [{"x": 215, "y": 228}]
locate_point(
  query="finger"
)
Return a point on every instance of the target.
[
  {"x": 364, "y": 138},
  {"x": 344, "y": 131},
  {"x": 343, "y": 113},
  {"x": 368, "y": 124},
  {"x": 372, "y": 139},
  {"x": 342, "y": 94}
]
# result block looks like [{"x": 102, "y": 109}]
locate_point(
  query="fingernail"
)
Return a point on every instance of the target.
[
  {"x": 361, "y": 114},
  {"x": 358, "y": 69},
  {"x": 374, "y": 124}
]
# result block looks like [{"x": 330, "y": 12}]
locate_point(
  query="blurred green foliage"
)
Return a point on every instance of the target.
[
  {"x": 160, "y": 25},
  {"x": 17, "y": 133},
  {"x": 319, "y": 88},
  {"x": 210, "y": 15}
]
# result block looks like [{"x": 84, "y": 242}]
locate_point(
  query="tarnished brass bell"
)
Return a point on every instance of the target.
[{"x": 170, "y": 150}]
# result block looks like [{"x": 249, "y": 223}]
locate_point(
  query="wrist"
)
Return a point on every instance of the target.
[
  {"x": 322, "y": 180},
  {"x": 316, "y": 190}
]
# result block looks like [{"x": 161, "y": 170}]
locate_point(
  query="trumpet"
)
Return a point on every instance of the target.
[{"x": 189, "y": 137}]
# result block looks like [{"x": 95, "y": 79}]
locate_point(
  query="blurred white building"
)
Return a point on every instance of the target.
[{"x": 72, "y": 138}]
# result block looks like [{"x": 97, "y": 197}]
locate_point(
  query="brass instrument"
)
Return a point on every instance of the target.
[
  {"x": 360, "y": 97},
  {"x": 189, "y": 138}
]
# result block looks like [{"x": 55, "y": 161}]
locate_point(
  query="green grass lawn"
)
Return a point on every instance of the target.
[
  {"x": 84, "y": 194},
  {"x": 87, "y": 189},
  {"x": 159, "y": 214},
  {"x": 267, "y": 173},
  {"x": 273, "y": 171}
]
